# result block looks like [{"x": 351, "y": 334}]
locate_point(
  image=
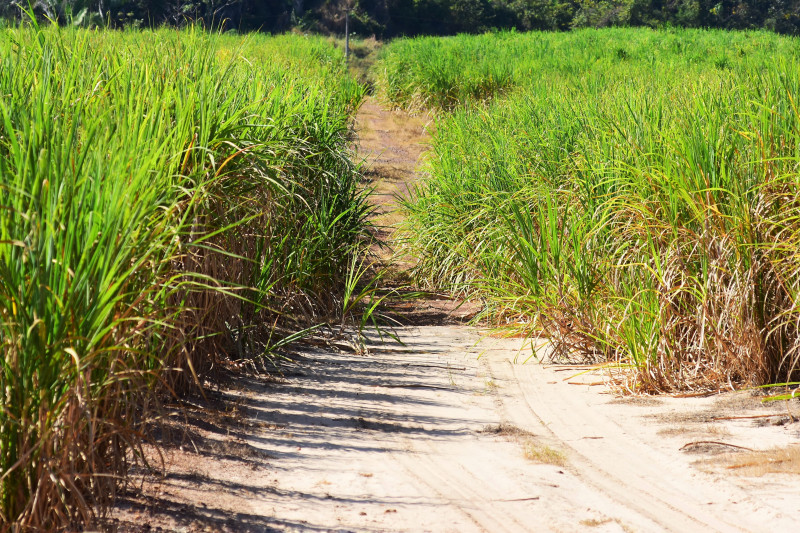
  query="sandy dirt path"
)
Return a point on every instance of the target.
[
  {"x": 657, "y": 459},
  {"x": 453, "y": 431}
]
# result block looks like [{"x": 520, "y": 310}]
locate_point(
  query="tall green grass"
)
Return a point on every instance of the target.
[
  {"x": 437, "y": 72},
  {"x": 633, "y": 198},
  {"x": 167, "y": 198}
]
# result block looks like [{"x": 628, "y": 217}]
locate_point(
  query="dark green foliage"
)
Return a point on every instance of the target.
[{"x": 391, "y": 18}]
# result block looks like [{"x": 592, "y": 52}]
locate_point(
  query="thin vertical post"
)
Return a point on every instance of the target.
[{"x": 347, "y": 34}]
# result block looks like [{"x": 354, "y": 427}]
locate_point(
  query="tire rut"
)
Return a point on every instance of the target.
[{"x": 662, "y": 493}]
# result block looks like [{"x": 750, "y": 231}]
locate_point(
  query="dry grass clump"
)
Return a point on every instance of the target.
[
  {"x": 506, "y": 430},
  {"x": 598, "y": 522},
  {"x": 539, "y": 453},
  {"x": 761, "y": 463},
  {"x": 531, "y": 448}
]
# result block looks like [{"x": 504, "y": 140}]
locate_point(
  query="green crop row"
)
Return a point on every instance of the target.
[
  {"x": 633, "y": 196},
  {"x": 166, "y": 198},
  {"x": 447, "y": 72}
]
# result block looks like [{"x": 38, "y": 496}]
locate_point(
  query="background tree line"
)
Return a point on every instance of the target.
[{"x": 391, "y": 18}]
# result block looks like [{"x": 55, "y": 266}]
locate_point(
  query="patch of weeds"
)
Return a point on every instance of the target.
[
  {"x": 506, "y": 430},
  {"x": 544, "y": 454},
  {"x": 699, "y": 429},
  {"x": 642, "y": 400},
  {"x": 531, "y": 449},
  {"x": 595, "y": 522}
]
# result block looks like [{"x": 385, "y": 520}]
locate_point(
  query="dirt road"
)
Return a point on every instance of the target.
[{"x": 454, "y": 431}]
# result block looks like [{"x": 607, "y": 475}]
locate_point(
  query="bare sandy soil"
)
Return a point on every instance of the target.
[
  {"x": 392, "y": 144},
  {"x": 455, "y": 431}
]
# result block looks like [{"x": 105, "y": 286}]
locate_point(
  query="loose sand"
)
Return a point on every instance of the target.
[{"x": 453, "y": 432}]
